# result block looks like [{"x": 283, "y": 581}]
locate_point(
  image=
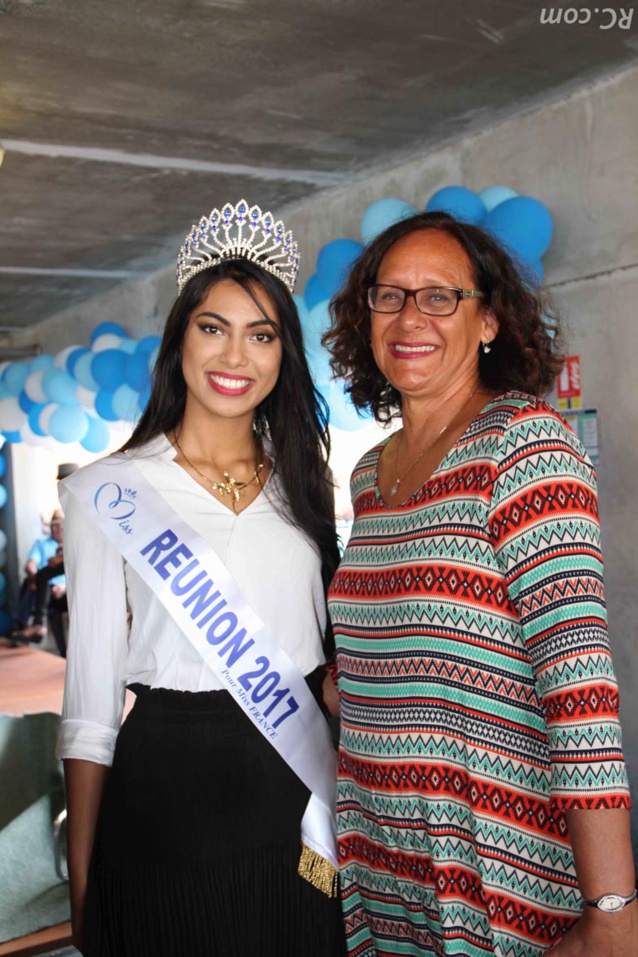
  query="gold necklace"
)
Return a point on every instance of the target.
[
  {"x": 399, "y": 478},
  {"x": 230, "y": 486}
]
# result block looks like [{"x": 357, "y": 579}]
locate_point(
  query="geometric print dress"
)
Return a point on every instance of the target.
[{"x": 478, "y": 698}]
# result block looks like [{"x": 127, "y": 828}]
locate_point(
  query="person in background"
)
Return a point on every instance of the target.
[
  {"x": 483, "y": 805},
  {"x": 44, "y": 585}
]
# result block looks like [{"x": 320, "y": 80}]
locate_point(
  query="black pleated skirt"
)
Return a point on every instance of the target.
[{"x": 198, "y": 841}]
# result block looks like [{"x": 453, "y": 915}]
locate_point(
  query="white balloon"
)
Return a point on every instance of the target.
[
  {"x": 33, "y": 386},
  {"x": 63, "y": 355},
  {"x": 86, "y": 398},
  {"x": 106, "y": 341},
  {"x": 12, "y": 418},
  {"x": 46, "y": 414}
]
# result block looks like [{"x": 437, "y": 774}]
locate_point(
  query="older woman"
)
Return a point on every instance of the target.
[{"x": 483, "y": 801}]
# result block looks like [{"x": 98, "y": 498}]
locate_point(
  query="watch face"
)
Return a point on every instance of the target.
[{"x": 610, "y": 903}]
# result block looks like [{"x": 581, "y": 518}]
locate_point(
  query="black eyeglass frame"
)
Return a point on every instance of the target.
[{"x": 460, "y": 294}]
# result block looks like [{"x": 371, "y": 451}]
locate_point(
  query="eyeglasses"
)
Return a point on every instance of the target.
[{"x": 431, "y": 300}]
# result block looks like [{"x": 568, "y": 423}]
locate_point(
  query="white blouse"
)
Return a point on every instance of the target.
[{"x": 275, "y": 566}]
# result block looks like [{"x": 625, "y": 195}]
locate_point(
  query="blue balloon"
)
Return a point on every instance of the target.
[
  {"x": 381, "y": 214},
  {"x": 125, "y": 403},
  {"x": 315, "y": 291},
  {"x": 34, "y": 419},
  {"x": 98, "y": 436},
  {"x": 494, "y": 195},
  {"x": 105, "y": 327},
  {"x": 3, "y": 496},
  {"x": 82, "y": 371},
  {"x": 60, "y": 387},
  {"x": 104, "y": 406},
  {"x": 3, "y": 465},
  {"x": 148, "y": 343},
  {"x": 12, "y": 435},
  {"x": 73, "y": 357},
  {"x": 68, "y": 423},
  {"x": 6, "y": 623},
  {"x": 108, "y": 368},
  {"x": 136, "y": 372},
  {"x": 335, "y": 261},
  {"x": 459, "y": 202},
  {"x": 25, "y": 403},
  {"x": 524, "y": 224},
  {"x": 15, "y": 376},
  {"x": 43, "y": 362}
]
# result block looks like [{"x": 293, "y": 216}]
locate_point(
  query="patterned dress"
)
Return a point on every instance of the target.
[{"x": 478, "y": 699}]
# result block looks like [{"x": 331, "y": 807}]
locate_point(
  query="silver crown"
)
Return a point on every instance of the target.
[{"x": 239, "y": 232}]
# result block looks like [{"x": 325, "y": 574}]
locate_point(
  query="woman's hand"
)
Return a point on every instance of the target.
[
  {"x": 330, "y": 694},
  {"x": 601, "y": 935}
]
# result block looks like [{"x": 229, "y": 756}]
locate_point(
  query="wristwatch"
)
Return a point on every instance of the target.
[{"x": 611, "y": 903}]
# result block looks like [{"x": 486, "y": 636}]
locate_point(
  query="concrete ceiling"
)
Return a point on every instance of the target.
[{"x": 122, "y": 121}]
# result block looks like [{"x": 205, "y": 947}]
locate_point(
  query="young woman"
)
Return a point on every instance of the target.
[{"x": 190, "y": 842}]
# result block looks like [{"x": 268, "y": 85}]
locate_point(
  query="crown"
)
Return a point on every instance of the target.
[{"x": 239, "y": 232}]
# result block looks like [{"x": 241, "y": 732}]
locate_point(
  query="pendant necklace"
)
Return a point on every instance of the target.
[
  {"x": 399, "y": 478},
  {"x": 230, "y": 486}
]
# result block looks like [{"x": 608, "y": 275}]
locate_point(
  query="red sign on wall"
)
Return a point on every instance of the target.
[{"x": 568, "y": 386}]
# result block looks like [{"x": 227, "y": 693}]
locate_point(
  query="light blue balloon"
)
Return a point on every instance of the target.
[
  {"x": 42, "y": 362},
  {"x": 523, "y": 224},
  {"x": 97, "y": 437},
  {"x": 3, "y": 496},
  {"x": 5, "y": 393},
  {"x": 319, "y": 365},
  {"x": 107, "y": 327},
  {"x": 82, "y": 372},
  {"x": 343, "y": 414},
  {"x": 316, "y": 322},
  {"x": 334, "y": 262},
  {"x": 315, "y": 291},
  {"x": 129, "y": 346},
  {"x": 60, "y": 387},
  {"x": 381, "y": 214},
  {"x": 460, "y": 202},
  {"x": 494, "y": 195},
  {"x": 125, "y": 403},
  {"x": 15, "y": 376},
  {"x": 68, "y": 423},
  {"x": 73, "y": 357}
]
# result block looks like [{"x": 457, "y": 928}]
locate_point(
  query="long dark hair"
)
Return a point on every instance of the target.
[
  {"x": 525, "y": 355},
  {"x": 293, "y": 416}
]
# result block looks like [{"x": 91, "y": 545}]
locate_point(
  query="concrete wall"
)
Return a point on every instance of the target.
[{"x": 580, "y": 157}]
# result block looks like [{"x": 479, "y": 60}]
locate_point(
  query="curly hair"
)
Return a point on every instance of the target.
[{"x": 525, "y": 355}]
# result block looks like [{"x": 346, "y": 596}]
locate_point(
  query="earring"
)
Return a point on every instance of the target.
[{"x": 486, "y": 347}]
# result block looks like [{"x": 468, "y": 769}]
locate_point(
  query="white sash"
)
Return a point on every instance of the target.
[{"x": 202, "y": 597}]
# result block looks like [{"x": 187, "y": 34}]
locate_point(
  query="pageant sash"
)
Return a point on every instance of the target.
[{"x": 202, "y": 597}]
